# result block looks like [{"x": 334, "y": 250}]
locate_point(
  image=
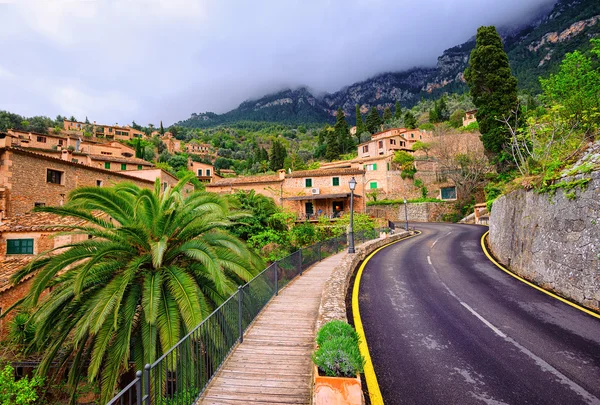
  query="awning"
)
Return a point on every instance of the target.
[{"x": 320, "y": 197}]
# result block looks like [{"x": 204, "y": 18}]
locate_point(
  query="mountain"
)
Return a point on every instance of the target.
[{"x": 533, "y": 50}]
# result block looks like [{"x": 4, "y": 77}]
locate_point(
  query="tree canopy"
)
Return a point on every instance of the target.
[{"x": 493, "y": 87}]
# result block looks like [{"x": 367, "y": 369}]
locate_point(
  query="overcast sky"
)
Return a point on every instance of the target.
[{"x": 148, "y": 60}]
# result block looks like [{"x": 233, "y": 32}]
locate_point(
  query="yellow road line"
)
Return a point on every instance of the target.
[
  {"x": 369, "y": 371},
  {"x": 576, "y": 306}
]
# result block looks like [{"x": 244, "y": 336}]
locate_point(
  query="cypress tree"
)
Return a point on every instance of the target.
[
  {"x": 410, "y": 121},
  {"x": 332, "y": 146},
  {"x": 397, "y": 111},
  {"x": 360, "y": 125},
  {"x": 162, "y": 130},
  {"x": 342, "y": 133},
  {"x": 387, "y": 114},
  {"x": 373, "y": 121},
  {"x": 493, "y": 87},
  {"x": 278, "y": 155}
]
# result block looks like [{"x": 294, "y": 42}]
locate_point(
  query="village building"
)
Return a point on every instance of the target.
[
  {"x": 200, "y": 149},
  {"x": 173, "y": 144},
  {"x": 152, "y": 174},
  {"x": 469, "y": 118},
  {"x": 204, "y": 172},
  {"x": 110, "y": 132}
]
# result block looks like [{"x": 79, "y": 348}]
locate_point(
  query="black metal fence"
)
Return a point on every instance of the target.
[{"x": 180, "y": 375}]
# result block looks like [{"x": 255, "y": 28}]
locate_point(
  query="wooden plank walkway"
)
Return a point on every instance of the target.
[{"x": 273, "y": 365}]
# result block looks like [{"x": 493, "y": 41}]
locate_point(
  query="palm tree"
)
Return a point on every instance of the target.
[{"x": 155, "y": 265}]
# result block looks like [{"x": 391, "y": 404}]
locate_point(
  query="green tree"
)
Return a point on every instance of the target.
[
  {"x": 86, "y": 120},
  {"x": 456, "y": 118},
  {"x": 333, "y": 149},
  {"x": 422, "y": 146},
  {"x": 278, "y": 155},
  {"x": 374, "y": 121},
  {"x": 158, "y": 262},
  {"x": 410, "y": 121},
  {"x": 493, "y": 87},
  {"x": 576, "y": 87},
  {"x": 397, "y": 111},
  {"x": 387, "y": 114},
  {"x": 342, "y": 132},
  {"x": 20, "y": 392},
  {"x": 360, "y": 125},
  {"x": 162, "y": 129}
]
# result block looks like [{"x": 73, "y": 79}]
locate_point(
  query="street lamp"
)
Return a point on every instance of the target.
[
  {"x": 406, "y": 213},
  {"x": 352, "y": 184}
]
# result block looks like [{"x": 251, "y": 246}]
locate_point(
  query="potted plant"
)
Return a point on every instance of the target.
[{"x": 338, "y": 363}]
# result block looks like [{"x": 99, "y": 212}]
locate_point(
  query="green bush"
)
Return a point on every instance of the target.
[
  {"x": 339, "y": 357},
  {"x": 21, "y": 392},
  {"x": 334, "y": 329},
  {"x": 472, "y": 127}
]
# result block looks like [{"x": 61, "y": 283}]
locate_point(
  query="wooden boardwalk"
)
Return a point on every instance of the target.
[{"x": 273, "y": 365}]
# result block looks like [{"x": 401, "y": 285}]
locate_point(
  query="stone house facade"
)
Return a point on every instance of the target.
[
  {"x": 111, "y": 132},
  {"x": 204, "y": 172},
  {"x": 469, "y": 118}
]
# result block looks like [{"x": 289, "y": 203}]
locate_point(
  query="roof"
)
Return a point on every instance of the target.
[
  {"x": 9, "y": 266},
  {"x": 325, "y": 172},
  {"x": 319, "y": 197},
  {"x": 51, "y": 135},
  {"x": 120, "y": 159},
  {"x": 68, "y": 163},
  {"x": 38, "y": 222},
  {"x": 274, "y": 178}
]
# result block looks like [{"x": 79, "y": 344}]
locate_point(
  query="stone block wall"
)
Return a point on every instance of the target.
[
  {"x": 417, "y": 212},
  {"x": 552, "y": 240}
]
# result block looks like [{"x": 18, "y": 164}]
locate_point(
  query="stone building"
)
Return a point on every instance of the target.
[
  {"x": 469, "y": 118},
  {"x": 110, "y": 132},
  {"x": 204, "y": 172}
]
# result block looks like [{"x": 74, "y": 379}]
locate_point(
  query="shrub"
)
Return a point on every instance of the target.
[
  {"x": 20, "y": 392},
  {"x": 334, "y": 329},
  {"x": 339, "y": 357},
  {"x": 472, "y": 127}
]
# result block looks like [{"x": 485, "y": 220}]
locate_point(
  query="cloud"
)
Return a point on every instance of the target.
[{"x": 151, "y": 60}]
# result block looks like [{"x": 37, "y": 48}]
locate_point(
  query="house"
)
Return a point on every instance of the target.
[
  {"x": 165, "y": 178},
  {"x": 200, "y": 149},
  {"x": 309, "y": 193},
  {"x": 173, "y": 145},
  {"x": 469, "y": 118},
  {"x": 111, "y": 132},
  {"x": 204, "y": 172}
]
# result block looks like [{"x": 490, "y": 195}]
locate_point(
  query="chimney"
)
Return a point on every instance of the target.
[
  {"x": 66, "y": 155},
  {"x": 281, "y": 173}
]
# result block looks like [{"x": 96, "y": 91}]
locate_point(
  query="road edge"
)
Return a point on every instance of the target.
[
  {"x": 369, "y": 371},
  {"x": 529, "y": 283}
]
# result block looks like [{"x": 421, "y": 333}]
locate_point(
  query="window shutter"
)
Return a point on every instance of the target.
[{"x": 374, "y": 166}]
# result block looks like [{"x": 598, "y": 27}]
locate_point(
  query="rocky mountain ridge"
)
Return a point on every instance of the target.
[{"x": 534, "y": 50}]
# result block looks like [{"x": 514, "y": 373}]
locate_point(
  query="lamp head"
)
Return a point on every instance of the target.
[{"x": 352, "y": 184}]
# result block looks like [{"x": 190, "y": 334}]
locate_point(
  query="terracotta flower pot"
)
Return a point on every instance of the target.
[{"x": 337, "y": 390}]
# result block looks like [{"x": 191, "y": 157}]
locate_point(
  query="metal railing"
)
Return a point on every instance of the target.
[{"x": 180, "y": 375}]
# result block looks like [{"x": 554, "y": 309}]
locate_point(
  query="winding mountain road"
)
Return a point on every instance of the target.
[{"x": 444, "y": 325}]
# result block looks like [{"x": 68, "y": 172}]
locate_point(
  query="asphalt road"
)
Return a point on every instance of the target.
[{"x": 444, "y": 325}]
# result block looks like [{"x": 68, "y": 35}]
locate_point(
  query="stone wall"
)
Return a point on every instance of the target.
[
  {"x": 333, "y": 300},
  {"x": 553, "y": 240},
  {"x": 417, "y": 212}
]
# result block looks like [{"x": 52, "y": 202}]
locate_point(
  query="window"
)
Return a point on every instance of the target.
[
  {"x": 107, "y": 165},
  {"x": 199, "y": 172},
  {"x": 420, "y": 136},
  {"x": 372, "y": 166},
  {"x": 412, "y": 135},
  {"x": 123, "y": 166},
  {"x": 139, "y": 167},
  {"x": 39, "y": 204},
  {"x": 380, "y": 144},
  {"x": 98, "y": 183},
  {"x": 448, "y": 193},
  {"x": 388, "y": 166},
  {"x": 307, "y": 182},
  {"x": 164, "y": 185},
  {"x": 373, "y": 185},
  {"x": 365, "y": 148},
  {"x": 392, "y": 141},
  {"x": 208, "y": 172},
  {"x": 41, "y": 139},
  {"x": 336, "y": 181},
  {"x": 19, "y": 246},
  {"x": 60, "y": 142},
  {"x": 106, "y": 153},
  {"x": 54, "y": 176}
]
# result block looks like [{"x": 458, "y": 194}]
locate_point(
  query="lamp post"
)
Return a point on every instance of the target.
[
  {"x": 352, "y": 184},
  {"x": 406, "y": 213}
]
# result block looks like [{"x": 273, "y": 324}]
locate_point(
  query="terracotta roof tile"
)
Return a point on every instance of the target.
[
  {"x": 9, "y": 266},
  {"x": 38, "y": 221},
  {"x": 325, "y": 172},
  {"x": 245, "y": 180},
  {"x": 121, "y": 159}
]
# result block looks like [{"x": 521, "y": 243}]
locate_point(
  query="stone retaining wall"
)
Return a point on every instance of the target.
[
  {"x": 333, "y": 300},
  {"x": 552, "y": 240},
  {"x": 417, "y": 212}
]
